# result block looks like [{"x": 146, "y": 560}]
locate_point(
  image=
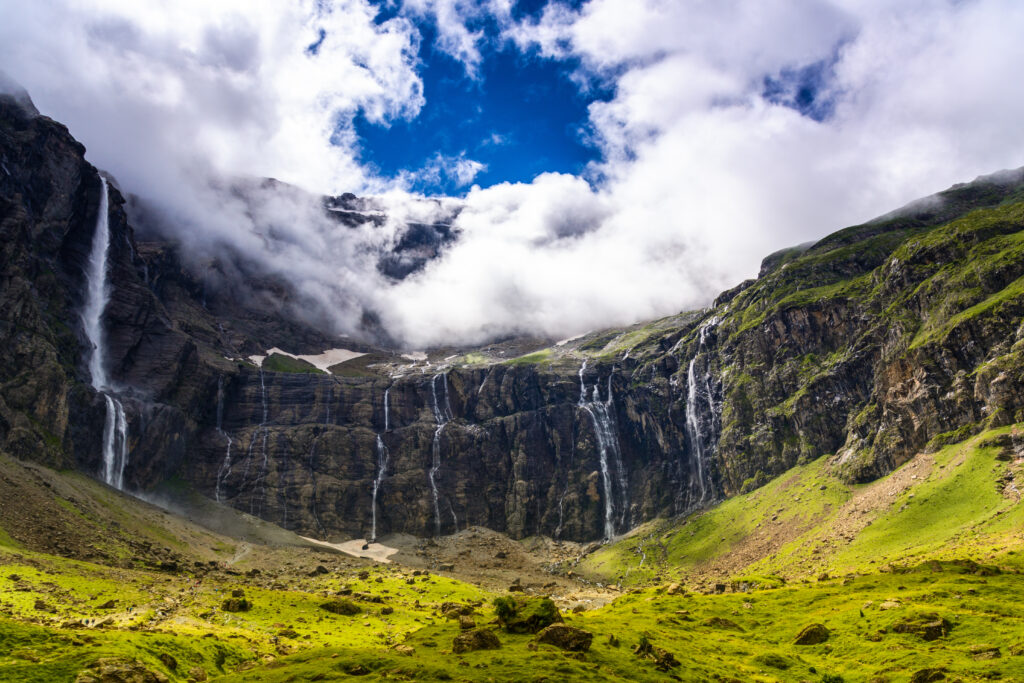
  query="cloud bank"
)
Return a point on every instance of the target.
[{"x": 734, "y": 129}]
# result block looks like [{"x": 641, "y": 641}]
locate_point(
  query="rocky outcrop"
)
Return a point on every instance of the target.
[{"x": 875, "y": 343}]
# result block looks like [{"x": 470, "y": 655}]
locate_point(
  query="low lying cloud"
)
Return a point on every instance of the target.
[{"x": 734, "y": 129}]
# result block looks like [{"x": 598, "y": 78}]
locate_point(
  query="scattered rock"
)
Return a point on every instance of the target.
[
  {"x": 364, "y": 575},
  {"x": 340, "y": 606},
  {"x": 985, "y": 652},
  {"x": 236, "y": 605},
  {"x": 406, "y": 650},
  {"x": 520, "y": 614},
  {"x": 113, "y": 670},
  {"x": 238, "y": 593},
  {"x": 42, "y": 606},
  {"x": 890, "y": 604},
  {"x": 663, "y": 659},
  {"x": 500, "y": 555},
  {"x": 168, "y": 661},
  {"x": 109, "y": 604},
  {"x": 812, "y": 635},
  {"x": 478, "y": 639},
  {"x": 928, "y": 626},
  {"x": 566, "y": 637},
  {"x": 674, "y": 589},
  {"x": 452, "y": 610},
  {"x": 386, "y": 610},
  {"x": 466, "y": 622},
  {"x": 198, "y": 673}
]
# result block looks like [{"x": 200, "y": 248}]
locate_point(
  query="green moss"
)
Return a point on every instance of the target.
[
  {"x": 276, "y": 362},
  {"x": 536, "y": 358}
]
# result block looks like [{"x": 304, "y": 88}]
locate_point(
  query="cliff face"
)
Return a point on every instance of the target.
[{"x": 877, "y": 342}]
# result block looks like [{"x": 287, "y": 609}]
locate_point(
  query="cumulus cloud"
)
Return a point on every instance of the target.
[{"x": 733, "y": 129}]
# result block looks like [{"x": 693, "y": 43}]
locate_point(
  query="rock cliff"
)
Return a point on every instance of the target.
[{"x": 872, "y": 344}]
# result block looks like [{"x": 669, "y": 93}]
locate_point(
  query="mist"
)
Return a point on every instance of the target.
[{"x": 733, "y": 130}]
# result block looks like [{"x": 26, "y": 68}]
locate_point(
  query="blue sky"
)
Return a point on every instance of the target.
[{"x": 520, "y": 115}]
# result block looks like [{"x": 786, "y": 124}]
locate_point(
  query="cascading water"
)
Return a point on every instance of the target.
[
  {"x": 382, "y": 465},
  {"x": 225, "y": 468},
  {"x": 442, "y": 416},
  {"x": 259, "y": 434},
  {"x": 115, "y": 426},
  {"x": 602, "y": 416},
  {"x": 703, "y": 416}
]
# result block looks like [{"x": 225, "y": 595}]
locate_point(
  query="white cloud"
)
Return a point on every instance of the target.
[
  {"x": 441, "y": 170},
  {"x": 700, "y": 174}
]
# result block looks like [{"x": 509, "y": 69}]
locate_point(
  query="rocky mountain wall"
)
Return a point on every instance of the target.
[{"x": 873, "y": 344}]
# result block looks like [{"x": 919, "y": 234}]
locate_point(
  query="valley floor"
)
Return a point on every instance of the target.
[{"x": 915, "y": 577}]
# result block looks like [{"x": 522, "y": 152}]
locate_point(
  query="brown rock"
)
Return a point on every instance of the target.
[
  {"x": 478, "y": 639},
  {"x": 341, "y": 606},
  {"x": 566, "y": 637},
  {"x": 812, "y": 635}
]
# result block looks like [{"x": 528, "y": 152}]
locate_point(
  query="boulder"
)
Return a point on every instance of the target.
[
  {"x": 566, "y": 637},
  {"x": 477, "y": 639},
  {"x": 466, "y": 622},
  {"x": 929, "y": 626},
  {"x": 236, "y": 605},
  {"x": 928, "y": 675},
  {"x": 520, "y": 614},
  {"x": 341, "y": 606},
  {"x": 814, "y": 634}
]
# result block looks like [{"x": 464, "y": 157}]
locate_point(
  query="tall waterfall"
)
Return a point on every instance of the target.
[
  {"x": 225, "y": 468},
  {"x": 442, "y": 416},
  {"x": 382, "y": 465},
  {"x": 602, "y": 415},
  {"x": 115, "y": 426},
  {"x": 703, "y": 416}
]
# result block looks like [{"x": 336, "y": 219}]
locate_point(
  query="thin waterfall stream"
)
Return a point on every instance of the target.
[{"x": 115, "y": 426}]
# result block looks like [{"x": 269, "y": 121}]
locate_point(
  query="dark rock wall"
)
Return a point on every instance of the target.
[{"x": 875, "y": 343}]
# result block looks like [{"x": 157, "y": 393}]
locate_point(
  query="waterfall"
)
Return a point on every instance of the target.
[
  {"x": 98, "y": 293},
  {"x": 442, "y": 415},
  {"x": 115, "y": 426},
  {"x": 703, "y": 415},
  {"x": 602, "y": 416},
  {"x": 382, "y": 465},
  {"x": 225, "y": 468},
  {"x": 115, "y": 443}
]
